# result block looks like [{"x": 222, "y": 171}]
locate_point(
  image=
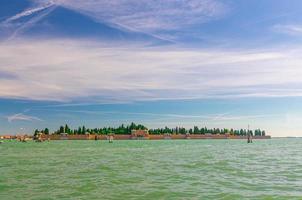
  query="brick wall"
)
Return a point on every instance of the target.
[{"x": 151, "y": 137}]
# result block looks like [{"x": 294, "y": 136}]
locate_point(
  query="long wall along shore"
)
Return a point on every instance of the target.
[{"x": 137, "y": 132}]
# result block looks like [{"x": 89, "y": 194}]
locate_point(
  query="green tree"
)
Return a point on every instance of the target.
[
  {"x": 61, "y": 129},
  {"x": 241, "y": 132},
  {"x": 46, "y": 131},
  {"x": 66, "y": 129},
  {"x": 263, "y": 133},
  {"x": 79, "y": 130},
  {"x": 36, "y": 132},
  {"x": 83, "y": 130}
]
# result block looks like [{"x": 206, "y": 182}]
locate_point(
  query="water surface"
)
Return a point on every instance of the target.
[{"x": 165, "y": 169}]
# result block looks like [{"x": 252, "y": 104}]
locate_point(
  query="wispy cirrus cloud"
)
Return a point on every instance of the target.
[
  {"x": 35, "y": 13},
  {"x": 146, "y": 15},
  {"x": 149, "y": 17},
  {"x": 22, "y": 117},
  {"x": 229, "y": 116}
]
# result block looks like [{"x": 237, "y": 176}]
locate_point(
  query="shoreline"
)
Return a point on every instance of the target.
[
  {"x": 132, "y": 137},
  {"x": 149, "y": 137}
]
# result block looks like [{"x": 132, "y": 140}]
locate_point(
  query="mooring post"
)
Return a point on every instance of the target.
[{"x": 249, "y": 136}]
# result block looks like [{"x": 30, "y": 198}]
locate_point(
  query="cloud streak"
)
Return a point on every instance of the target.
[
  {"x": 31, "y": 22},
  {"x": 22, "y": 117},
  {"x": 290, "y": 29},
  {"x": 29, "y": 12}
]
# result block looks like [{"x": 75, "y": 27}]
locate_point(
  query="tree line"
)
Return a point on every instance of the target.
[{"x": 126, "y": 130}]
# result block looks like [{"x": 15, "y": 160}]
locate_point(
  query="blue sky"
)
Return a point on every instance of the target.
[{"x": 214, "y": 63}]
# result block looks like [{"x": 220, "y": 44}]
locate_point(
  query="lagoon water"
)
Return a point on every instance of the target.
[{"x": 165, "y": 169}]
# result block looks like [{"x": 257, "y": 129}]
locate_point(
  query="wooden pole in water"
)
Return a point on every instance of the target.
[{"x": 249, "y": 136}]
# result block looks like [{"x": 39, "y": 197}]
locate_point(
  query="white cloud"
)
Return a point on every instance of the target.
[
  {"x": 83, "y": 71},
  {"x": 22, "y": 117},
  {"x": 291, "y": 29}
]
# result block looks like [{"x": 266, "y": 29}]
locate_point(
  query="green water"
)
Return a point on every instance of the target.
[{"x": 166, "y": 169}]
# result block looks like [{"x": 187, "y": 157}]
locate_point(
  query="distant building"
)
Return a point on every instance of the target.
[
  {"x": 6, "y": 137},
  {"x": 140, "y": 134},
  {"x": 38, "y": 136},
  {"x": 63, "y": 136}
]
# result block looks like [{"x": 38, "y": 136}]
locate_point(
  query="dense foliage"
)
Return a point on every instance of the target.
[{"x": 126, "y": 130}]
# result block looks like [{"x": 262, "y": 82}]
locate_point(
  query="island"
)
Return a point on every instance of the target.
[{"x": 139, "y": 131}]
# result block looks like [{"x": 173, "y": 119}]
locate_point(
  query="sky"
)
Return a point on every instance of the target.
[{"x": 213, "y": 63}]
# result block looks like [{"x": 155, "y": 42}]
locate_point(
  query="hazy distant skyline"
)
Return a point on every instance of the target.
[{"x": 214, "y": 63}]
